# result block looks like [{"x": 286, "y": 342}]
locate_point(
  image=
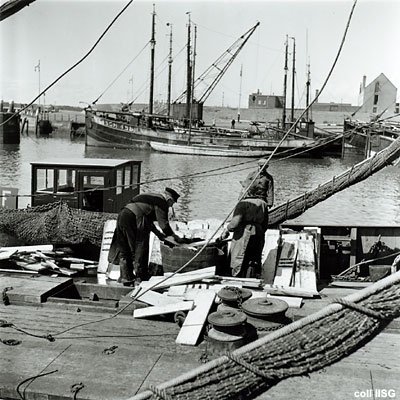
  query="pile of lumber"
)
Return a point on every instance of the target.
[
  {"x": 192, "y": 294},
  {"x": 43, "y": 259},
  {"x": 289, "y": 270}
]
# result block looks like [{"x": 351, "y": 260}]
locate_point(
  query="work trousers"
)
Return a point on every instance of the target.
[
  {"x": 246, "y": 250},
  {"x": 133, "y": 237}
]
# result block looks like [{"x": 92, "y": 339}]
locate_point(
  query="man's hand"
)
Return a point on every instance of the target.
[
  {"x": 160, "y": 236},
  {"x": 178, "y": 239},
  {"x": 224, "y": 235}
]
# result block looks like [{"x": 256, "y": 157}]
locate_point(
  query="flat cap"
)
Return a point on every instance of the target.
[
  {"x": 262, "y": 161},
  {"x": 172, "y": 193}
]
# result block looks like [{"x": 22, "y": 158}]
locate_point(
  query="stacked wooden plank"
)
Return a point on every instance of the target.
[
  {"x": 43, "y": 259},
  {"x": 296, "y": 261},
  {"x": 288, "y": 272},
  {"x": 194, "y": 293}
]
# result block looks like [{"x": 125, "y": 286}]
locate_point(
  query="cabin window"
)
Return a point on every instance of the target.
[
  {"x": 93, "y": 181},
  {"x": 374, "y": 110},
  {"x": 377, "y": 87},
  {"x": 333, "y": 107},
  {"x": 45, "y": 180},
  {"x": 397, "y": 108},
  {"x": 127, "y": 176},
  {"x": 120, "y": 172},
  {"x": 135, "y": 174},
  {"x": 376, "y": 99},
  {"x": 66, "y": 180}
]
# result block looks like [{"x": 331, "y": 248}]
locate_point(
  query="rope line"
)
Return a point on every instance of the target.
[
  {"x": 360, "y": 308},
  {"x": 117, "y": 77},
  {"x": 160, "y": 393},
  {"x": 201, "y": 174},
  {"x": 32, "y": 378},
  {"x": 250, "y": 367},
  {"x": 73, "y": 66}
]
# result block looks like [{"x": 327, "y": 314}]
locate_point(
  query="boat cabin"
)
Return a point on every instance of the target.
[{"x": 103, "y": 185}]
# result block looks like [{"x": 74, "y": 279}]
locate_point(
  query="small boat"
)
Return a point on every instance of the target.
[
  {"x": 208, "y": 150},
  {"x": 238, "y": 148}
]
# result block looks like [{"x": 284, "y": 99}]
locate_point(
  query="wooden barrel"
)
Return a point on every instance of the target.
[{"x": 174, "y": 257}]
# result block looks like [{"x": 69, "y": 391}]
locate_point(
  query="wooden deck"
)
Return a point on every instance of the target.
[{"x": 143, "y": 352}]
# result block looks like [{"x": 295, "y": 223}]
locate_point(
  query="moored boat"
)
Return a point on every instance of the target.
[
  {"x": 370, "y": 137},
  {"x": 223, "y": 147}
]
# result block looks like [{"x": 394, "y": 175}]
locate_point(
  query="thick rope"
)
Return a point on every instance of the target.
[
  {"x": 361, "y": 309},
  {"x": 160, "y": 393},
  {"x": 247, "y": 366},
  {"x": 301, "y": 347}
]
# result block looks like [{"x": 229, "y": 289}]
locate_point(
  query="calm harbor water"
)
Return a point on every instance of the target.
[{"x": 214, "y": 194}]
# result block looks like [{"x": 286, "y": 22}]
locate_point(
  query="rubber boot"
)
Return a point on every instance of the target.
[{"x": 126, "y": 275}]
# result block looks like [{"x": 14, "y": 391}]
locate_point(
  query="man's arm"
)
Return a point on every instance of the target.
[
  {"x": 235, "y": 221},
  {"x": 162, "y": 219},
  {"x": 270, "y": 194},
  {"x": 159, "y": 234}
]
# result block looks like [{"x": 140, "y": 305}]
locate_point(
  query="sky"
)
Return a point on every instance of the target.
[{"x": 59, "y": 33}]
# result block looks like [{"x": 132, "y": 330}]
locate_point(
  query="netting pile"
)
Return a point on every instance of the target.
[
  {"x": 300, "y": 349},
  {"x": 54, "y": 223}
]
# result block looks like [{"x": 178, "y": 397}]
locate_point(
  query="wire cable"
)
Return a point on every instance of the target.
[
  {"x": 73, "y": 66},
  {"x": 119, "y": 75}
]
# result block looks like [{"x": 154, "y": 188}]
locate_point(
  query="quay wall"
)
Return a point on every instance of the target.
[
  {"x": 222, "y": 116},
  {"x": 271, "y": 115}
]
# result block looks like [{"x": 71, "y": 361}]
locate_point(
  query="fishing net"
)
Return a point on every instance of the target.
[
  {"x": 297, "y": 349},
  {"x": 54, "y": 223}
]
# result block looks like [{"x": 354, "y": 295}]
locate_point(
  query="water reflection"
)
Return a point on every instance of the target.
[
  {"x": 10, "y": 158},
  {"x": 213, "y": 195}
]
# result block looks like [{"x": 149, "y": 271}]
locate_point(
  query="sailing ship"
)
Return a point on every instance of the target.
[{"x": 182, "y": 130}]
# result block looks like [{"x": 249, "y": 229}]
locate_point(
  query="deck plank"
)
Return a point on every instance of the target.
[
  {"x": 32, "y": 290},
  {"x": 147, "y": 354}
]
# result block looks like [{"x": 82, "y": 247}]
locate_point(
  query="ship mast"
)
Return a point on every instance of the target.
[
  {"x": 308, "y": 83},
  {"x": 285, "y": 83},
  {"x": 240, "y": 93},
  {"x": 153, "y": 45},
  {"x": 169, "y": 71},
  {"x": 293, "y": 75},
  {"x": 189, "y": 73},
  {"x": 192, "y": 83}
]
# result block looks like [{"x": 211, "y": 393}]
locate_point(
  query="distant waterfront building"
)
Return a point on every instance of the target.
[
  {"x": 334, "y": 107},
  {"x": 265, "y": 101},
  {"x": 378, "y": 97},
  {"x": 268, "y": 102}
]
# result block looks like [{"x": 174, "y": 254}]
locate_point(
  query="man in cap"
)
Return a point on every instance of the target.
[
  {"x": 132, "y": 234},
  {"x": 263, "y": 185},
  {"x": 249, "y": 223}
]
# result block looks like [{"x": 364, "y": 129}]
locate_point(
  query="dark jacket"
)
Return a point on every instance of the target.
[
  {"x": 151, "y": 207},
  {"x": 262, "y": 188},
  {"x": 249, "y": 211}
]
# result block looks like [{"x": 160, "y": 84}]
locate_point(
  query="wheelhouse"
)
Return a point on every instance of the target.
[{"x": 103, "y": 185}]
